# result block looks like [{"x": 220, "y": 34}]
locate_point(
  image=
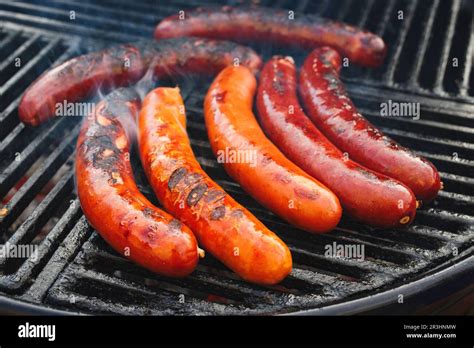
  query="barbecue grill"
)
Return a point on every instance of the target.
[{"x": 430, "y": 59}]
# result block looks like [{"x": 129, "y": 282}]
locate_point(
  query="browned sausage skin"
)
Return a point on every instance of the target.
[
  {"x": 223, "y": 227},
  {"x": 261, "y": 24},
  {"x": 365, "y": 195},
  {"x": 112, "y": 202},
  {"x": 270, "y": 178},
  {"x": 123, "y": 65},
  {"x": 328, "y": 105}
]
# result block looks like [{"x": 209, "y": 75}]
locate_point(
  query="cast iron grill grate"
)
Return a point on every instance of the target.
[{"x": 75, "y": 270}]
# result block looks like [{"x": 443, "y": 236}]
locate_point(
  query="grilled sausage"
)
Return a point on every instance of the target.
[
  {"x": 330, "y": 108},
  {"x": 278, "y": 26},
  {"x": 111, "y": 200},
  {"x": 269, "y": 177},
  {"x": 223, "y": 227},
  {"x": 125, "y": 64},
  {"x": 364, "y": 194}
]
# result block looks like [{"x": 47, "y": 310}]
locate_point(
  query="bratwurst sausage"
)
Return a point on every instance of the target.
[
  {"x": 269, "y": 176},
  {"x": 243, "y": 24},
  {"x": 111, "y": 200},
  {"x": 364, "y": 194},
  {"x": 330, "y": 108},
  {"x": 224, "y": 228},
  {"x": 125, "y": 64}
]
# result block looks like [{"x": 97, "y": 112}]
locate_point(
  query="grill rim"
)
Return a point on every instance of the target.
[
  {"x": 377, "y": 301},
  {"x": 382, "y": 299}
]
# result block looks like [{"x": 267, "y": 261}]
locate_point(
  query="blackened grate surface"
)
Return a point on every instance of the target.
[{"x": 75, "y": 270}]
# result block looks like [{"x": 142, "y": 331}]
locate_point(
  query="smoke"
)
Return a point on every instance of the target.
[{"x": 146, "y": 83}]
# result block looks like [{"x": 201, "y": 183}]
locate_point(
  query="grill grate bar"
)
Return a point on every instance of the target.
[
  {"x": 464, "y": 87},
  {"x": 28, "y": 269},
  {"x": 64, "y": 253},
  {"x": 18, "y": 53},
  {"x": 17, "y": 280},
  {"x": 442, "y": 110},
  {"x": 301, "y": 5},
  {"x": 8, "y": 42},
  {"x": 140, "y": 9},
  {"x": 15, "y": 139},
  {"x": 103, "y": 12},
  {"x": 209, "y": 268},
  {"x": 321, "y": 6},
  {"x": 458, "y": 134},
  {"x": 198, "y": 285},
  {"x": 461, "y": 202},
  {"x": 382, "y": 25},
  {"x": 440, "y": 72},
  {"x": 40, "y": 177},
  {"x": 353, "y": 270},
  {"x": 392, "y": 58},
  {"x": 390, "y": 237},
  {"x": 26, "y": 230},
  {"x": 450, "y": 165},
  {"x": 8, "y": 117},
  {"x": 21, "y": 76},
  {"x": 343, "y": 10},
  {"x": 62, "y": 27},
  {"x": 427, "y": 143},
  {"x": 369, "y": 74},
  {"x": 416, "y": 67},
  {"x": 458, "y": 184},
  {"x": 365, "y": 15},
  {"x": 28, "y": 156},
  {"x": 158, "y": 303},
  {"x": 102, "y": 22},
  {"x": 271, "y": 293}
]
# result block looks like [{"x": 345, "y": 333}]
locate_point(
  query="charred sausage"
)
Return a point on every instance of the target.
[
  {"x": 283, "y": 27},
  {"x": 364, "y": 194},
  {"x": 111, "y": 200},
  {"x": 125, "y": 64},
  {"x": 330, "y": 108},
  {"x": 269, "y": 177},
  {"x": 222, "y": 226}
]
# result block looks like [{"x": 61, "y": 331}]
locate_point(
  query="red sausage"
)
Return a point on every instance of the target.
[
  {"x": 112, "y": 202},
  {"x": 263, "y": 171},
  {"x": 223, "y": 227},
  {"x": 329, "y": 107},
  {"x": 365, "y": 195},
  {"x": 261, "y": 24},
  {"x": 125, "y": 64}
]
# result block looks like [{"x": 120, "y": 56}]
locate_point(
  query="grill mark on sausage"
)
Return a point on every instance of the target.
[
  {"x": 214, "y": 195},
  {"x": 176, "y": 177},
  {"x": 196, "y": 194},
  {"x": 218, "y": 212},
  {"x": 175, "y": 224},
  {"x": 148, "y": 212},
  {"x": 237, "y": 213}
]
